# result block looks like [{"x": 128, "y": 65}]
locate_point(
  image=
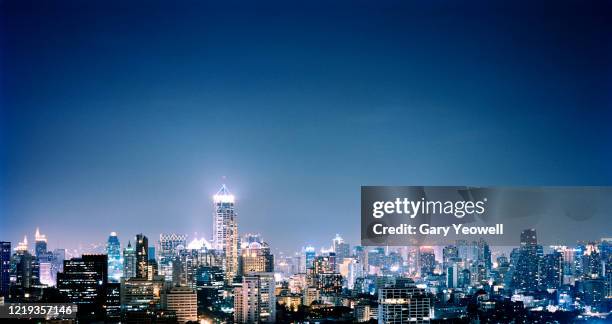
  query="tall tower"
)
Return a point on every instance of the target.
[
  {"x": 115, "y": 265},
  {"x": 142, "y": 256},
  {"x": 40, "y": 244},
  {"x": 225, "y": 231},
  {"x": 129, "y": 261}
]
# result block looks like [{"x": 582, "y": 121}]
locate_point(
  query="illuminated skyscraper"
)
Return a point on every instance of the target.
[
  {"x": 40, "y": 244},
  {"x": 551, "y": 271},
  {"x": 256, "y": 257},
  {"x": 309, "y": 256},
  {"x": 23, "y": 266},
  {"x": 450, "y": 253},
  {"x": 427, "y": 260},
  {"x": 342, "y": 249},
  {"x": 115, "y": 265},
  {"x": 169, "y": 245},
  {"x": 129, "y": 261},
  {"x": 142, "y": 256},
  {"x": 225, "y": 231},
  {"x": 526, "y": 266}
]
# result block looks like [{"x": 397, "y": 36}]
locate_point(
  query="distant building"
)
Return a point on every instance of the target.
[
  {"x": 309, "y": 256},
  {"x": 311, "y": 294},
  {"x": 169, "y": 245},
  {"x": 594, "y": 291},
  {"x": 341, "y": 248},
  {"x": 452, "y": 276},
  {"x": 427, "y": 260},
  {"x": 183, "y": 302},
  {"x": 403, "y": 303},
  {"x": 551, "y": 271},
  {"x": 256, "y": 257},
  {"x": 526, "y": 274},
  {"x": 24, "y": 267},
  {"x": 141, "y": 294},
  {"x": 40, "y": 244},
  {"x": 450, "y": 253},
  {"x": 129, "y": 261}
]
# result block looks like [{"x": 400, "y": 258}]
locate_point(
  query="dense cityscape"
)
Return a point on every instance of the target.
[{"x": 235, "y": 278}]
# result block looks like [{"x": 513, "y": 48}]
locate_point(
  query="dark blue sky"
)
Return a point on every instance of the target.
[{"x": 125, "y": 117}]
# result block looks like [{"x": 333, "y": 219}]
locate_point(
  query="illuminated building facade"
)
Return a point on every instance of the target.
[{"x": 225, "y": 231}]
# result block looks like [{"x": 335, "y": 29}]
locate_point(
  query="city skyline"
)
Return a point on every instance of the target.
[{"x": 129, "y": 122}]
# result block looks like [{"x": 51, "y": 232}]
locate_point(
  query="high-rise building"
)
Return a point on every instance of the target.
[
  {"x": 341, "y": 248},
  {"x": 594, "y": 292},
  {"x": 591, "y": 259},
  {"x": 169, "y": 245},
  {"x": 40, "y": 244},
  {"x": 5, "y": 267},
  {"x": 113, "y": 302},
  {"x": 529, "y": 237},
  {"x": 403, "y": 303},
  {"x": 256, "y": 257},
  {"x": 427, "y": 260},
  {"x": 225, "y": 231},
  {"x": 484, "y": 255},
  {"x": 115, "y": 264},
  {"x": 141, "y": 294},
  {"x": 551, "y": 271},
  {"x": 376, "y": 257},
  {"x": 209, "y": 285},
  {"x": 452, "y": 276},
  {"x": 526, "y": 273},
  {"x": 255, "y": 301},
  {"x": 142, "y": 256},
  {"x": 309, "y": 256},
  {"x": 449, "y": 254},
  {"x": 183, "y": 302},
  {"x": 362, "y": 258},
  {"x": 129, "y": 261},
  {"x": 83, "y": 282},
  {"x": 23, "y": 267}
]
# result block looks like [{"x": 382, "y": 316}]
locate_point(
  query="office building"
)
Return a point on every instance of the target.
[
  {"x": 256, "y": 257},
  {"x": 83, "y": 282},
  {"x": 403, "y": 303},
  {"x": 142, "y": 256},
  {"x": 129, "y": 261},
  {"x": 255, "y": 301},
  {"x": 40, "y": 244},
  {"x": 225, "y": 231},
  {"x": 183, "y": 302},
  {"x": 115, "y": 264}
]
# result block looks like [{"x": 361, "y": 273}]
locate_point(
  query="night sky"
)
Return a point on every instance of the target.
[{"x": 128, "y": 117}]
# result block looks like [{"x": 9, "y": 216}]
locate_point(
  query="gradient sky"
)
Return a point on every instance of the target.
[{"x": 126, "y": 117}]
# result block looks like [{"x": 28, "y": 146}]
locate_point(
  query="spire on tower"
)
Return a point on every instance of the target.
[
  {"x": 223, "y": 196},
  {"x": 40, "y": 237}
]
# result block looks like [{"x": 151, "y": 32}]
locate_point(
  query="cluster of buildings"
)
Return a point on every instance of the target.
[{"x": 236, "y": 278}]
